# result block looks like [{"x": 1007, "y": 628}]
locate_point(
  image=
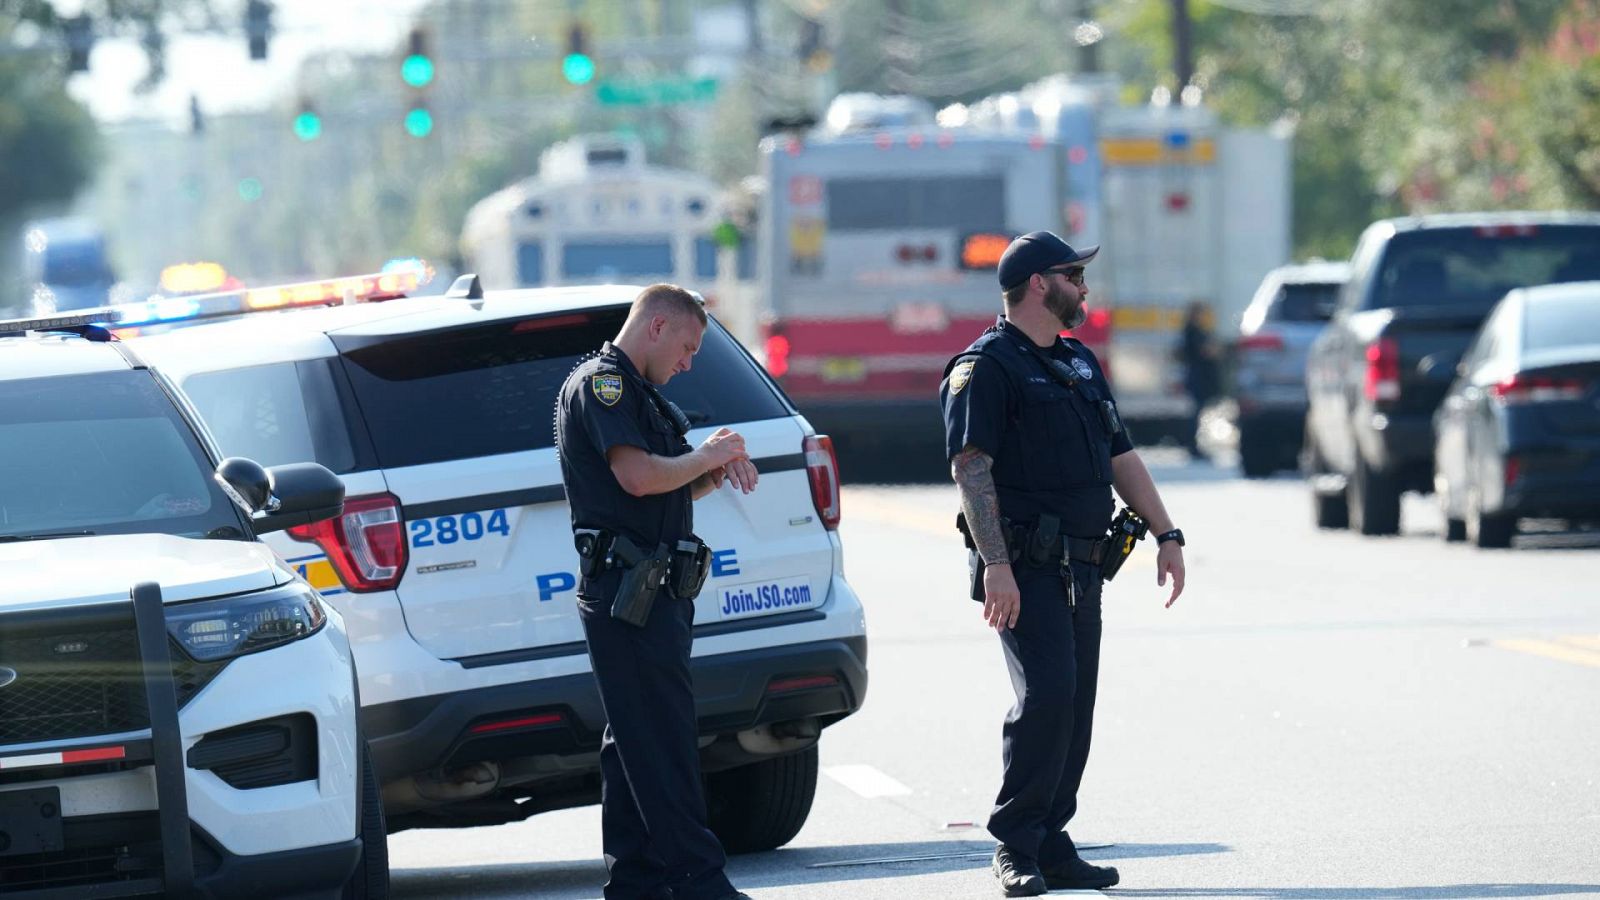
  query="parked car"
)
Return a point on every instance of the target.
[
  {"x": 177, "y": 705},
  {"x": 1419, "y": 290},
  {"x": 1519, "y": 433},
  {"x": 1287, "y": 312},
  {"x": 454, "y": 561}
]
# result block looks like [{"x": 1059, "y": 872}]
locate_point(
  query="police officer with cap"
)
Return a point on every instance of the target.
[
  {"x": 631, "y": 479},
  {"x": 1036, "y": 446}
]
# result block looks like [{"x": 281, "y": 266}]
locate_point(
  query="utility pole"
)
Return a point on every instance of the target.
[
  {"x": 1088, "y": 53},
  {"x": 1182, "y": 44}
]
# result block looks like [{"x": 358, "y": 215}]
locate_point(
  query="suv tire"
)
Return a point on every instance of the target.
[
  {"x": 1374, "y": 501},
  {"x": 370, "y": 880},
  {"x": 762, "y": 806}
]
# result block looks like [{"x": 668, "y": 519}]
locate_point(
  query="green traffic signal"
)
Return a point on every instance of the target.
[
  {"x": 417, "y": 70},
  {"x": 419, "y": 122},
  {"x": 578, "y": 68},
  {"x": 308, "y": 126}
]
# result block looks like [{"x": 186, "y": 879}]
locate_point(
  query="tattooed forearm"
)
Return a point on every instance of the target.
[{"x": 970, "y": 469}]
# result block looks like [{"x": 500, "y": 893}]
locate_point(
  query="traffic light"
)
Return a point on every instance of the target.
[
  {"x": 258, "y": 27},
  {"x": 419, "y": 119},
  {"x": 79, "y": 32},
  {"x": 417, "y": 69},
  {"x": 307, "y": 123},
  {"x": 577, "y": 67}
]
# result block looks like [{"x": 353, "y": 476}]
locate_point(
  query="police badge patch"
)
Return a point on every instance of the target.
[
  {"x": 960, "y": 375},
  {"x": 607, "y": 388},
  {"x": 1082, "y": 368}
]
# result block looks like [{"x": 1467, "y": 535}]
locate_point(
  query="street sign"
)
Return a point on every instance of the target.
[{"x": 657, "y": 92}]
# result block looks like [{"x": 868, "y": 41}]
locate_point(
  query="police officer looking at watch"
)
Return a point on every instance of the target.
[
  {"x": 631, "y": 479},
  {"x": 1036, "y": 446}
]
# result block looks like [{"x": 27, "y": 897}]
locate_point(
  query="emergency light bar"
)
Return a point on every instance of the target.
[
  {"x": 126, "y": 318},
  {"x": 72, "y": 322}
]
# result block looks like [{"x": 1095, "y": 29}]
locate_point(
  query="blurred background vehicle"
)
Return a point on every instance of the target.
[
  {"x": 1419, "y": 289},
  {"x": 1518, "y": 435},
  {"x": 1285, "y": 315},
  {"x": 65, "y": 265}
]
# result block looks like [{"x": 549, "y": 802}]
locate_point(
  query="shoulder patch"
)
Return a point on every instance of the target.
[
  {"x": 607, "y": 388},
  {"x": 1082, "y": 368},
  {"x": 960, "y": 375}
]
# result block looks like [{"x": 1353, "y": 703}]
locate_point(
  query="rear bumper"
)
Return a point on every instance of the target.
[
  {"x": 1571, "y": 491},
  {"x": 733, "y": 692}
]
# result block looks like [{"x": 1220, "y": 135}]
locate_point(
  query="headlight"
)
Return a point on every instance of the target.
[{"x": 211, "y": 630}]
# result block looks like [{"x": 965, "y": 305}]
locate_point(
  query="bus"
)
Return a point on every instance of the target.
[
  {"x": 1187, "y": 210},
  {"x": 597, "y": 213},
  {"x": 878, "y": 240}
]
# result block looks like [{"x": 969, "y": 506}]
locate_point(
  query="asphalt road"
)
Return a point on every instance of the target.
[{"x": 1320, "y": 716}]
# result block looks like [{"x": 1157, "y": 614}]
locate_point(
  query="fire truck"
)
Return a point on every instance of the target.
[
  {"x": 878, "y": 236},
  {"x": 1188, "y": 210}
]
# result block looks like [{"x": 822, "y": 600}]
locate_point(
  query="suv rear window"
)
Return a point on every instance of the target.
[
  {"x": 1474, "y": 267},
  {"x": 1305, "y": 302},
  {"x": 104, "y": 453},
  {"x": 491, "y": 389}
]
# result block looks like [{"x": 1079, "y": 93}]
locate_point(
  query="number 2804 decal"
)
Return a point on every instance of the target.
[{"x": 470, "y": 526}]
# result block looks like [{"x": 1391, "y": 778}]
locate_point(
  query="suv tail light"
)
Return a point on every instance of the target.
[
  {"x": 822, "y": 470},
  {"x": 366, "y": 544},
  {"x": 1519, "y": 389},
  {"x": 1383, "y": 370},
  {"x": 1264, "y": 341}
]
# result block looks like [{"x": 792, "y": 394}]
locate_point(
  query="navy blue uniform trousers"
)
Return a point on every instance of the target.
[
  {"x": 652, "y": 804},
  {"x": 1053, "y": 655}
]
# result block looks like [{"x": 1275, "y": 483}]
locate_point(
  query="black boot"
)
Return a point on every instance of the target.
[
  {"x": 1019, "y": 875},
  {"x": 1072, "y": 873}
]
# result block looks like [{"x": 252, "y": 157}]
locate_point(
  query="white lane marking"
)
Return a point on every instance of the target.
[{"x": 866, "y": 781}]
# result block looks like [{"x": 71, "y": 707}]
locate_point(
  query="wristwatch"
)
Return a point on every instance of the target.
[{"x": 1175, "y": 534}]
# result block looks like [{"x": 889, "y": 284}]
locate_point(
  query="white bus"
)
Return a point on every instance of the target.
[{"x": 596, "y": 213}]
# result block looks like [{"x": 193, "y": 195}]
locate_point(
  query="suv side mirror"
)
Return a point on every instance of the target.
[{"x": 282, "y": 496}]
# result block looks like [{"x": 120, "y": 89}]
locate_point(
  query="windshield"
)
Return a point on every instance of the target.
[
  {"x": 104, "y": 453},
  {"x": 1471, "y": 267}
]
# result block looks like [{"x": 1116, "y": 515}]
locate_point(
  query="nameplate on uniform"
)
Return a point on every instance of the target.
[{"x": 607, "y": 388}]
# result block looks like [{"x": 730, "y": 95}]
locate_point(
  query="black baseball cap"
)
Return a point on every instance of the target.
[{"x": 1033, "y": 253}]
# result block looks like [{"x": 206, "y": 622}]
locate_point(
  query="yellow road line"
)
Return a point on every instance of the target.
[
  {"x": 1586, "y": 641},
  {"x": 1552, "y": 650}
]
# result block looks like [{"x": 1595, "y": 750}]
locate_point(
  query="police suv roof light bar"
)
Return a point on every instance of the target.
[{"x": 89, "y": 324}]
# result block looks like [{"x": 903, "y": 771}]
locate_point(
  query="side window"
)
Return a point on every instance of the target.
[
  {"x": 705, "y": 258},
  {"x": 275, "y": 414}
]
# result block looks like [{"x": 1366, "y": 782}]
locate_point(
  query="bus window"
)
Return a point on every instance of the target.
[
  {"x": 976, "y": 203},
  {"x": 617, "y": 258},
  {"x": 530, "y": 263},
  {"x": 705, "y": 258}
]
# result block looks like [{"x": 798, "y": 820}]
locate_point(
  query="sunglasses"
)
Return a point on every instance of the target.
[{"x": 1074, "y": 273}]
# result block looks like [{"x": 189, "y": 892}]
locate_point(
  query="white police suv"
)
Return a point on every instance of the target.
[
  {"x": 177, "y": 706},
  {"x": 453, "y": 562}
]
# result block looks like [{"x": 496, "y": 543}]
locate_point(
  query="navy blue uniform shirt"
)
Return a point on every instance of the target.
[
  {"x": 606, "y": 403},
  {"x": 1050, "y": 443}
]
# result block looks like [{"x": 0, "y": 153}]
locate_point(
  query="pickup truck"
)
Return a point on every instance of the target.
[{"x": 1419, "y": 289}]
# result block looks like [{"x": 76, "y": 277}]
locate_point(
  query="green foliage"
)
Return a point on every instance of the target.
[{"x": 48, "y": 142}]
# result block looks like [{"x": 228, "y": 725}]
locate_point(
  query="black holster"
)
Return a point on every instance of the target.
[
  {"x": 642, "y": 578},
  {"x": 691, "y": 563}
]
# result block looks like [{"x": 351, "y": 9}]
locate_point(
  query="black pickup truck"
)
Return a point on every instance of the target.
[{"x": 1419, "y": 290}]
